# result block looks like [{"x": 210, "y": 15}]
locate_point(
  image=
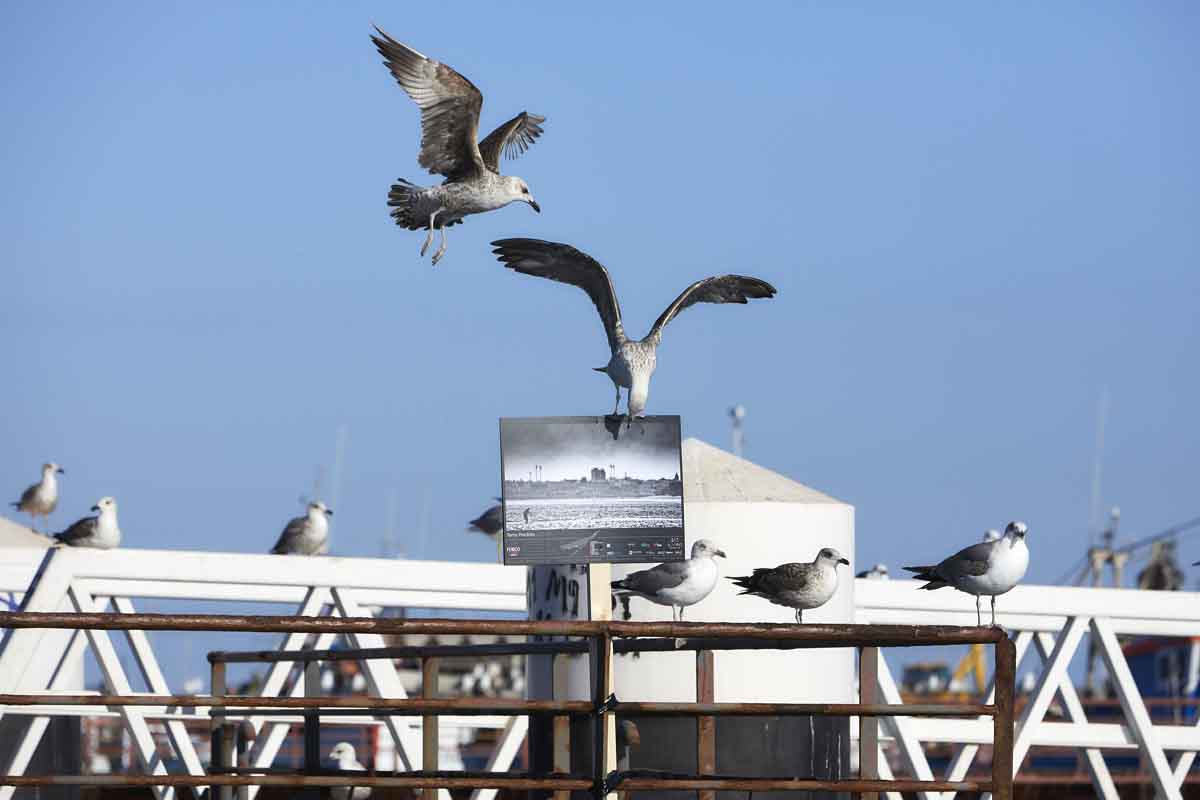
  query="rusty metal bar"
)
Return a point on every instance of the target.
[
  {"x": 797, "y": 784},
  {"x": 410, "y": 652},
  {"x": 814, "y": 709},
  {"x": 429, "y": 722},
  {"x": 408, "y": 706},
  {"x": 411, "y": 780},
  {"x": 706, "y": 725},
  {"x": 830, "y": 635},
  {"x": 868, "y": 727},
  {"x": 1002, "y": 735}
]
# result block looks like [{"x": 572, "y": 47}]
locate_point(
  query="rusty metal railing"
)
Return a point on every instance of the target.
[{"x": 599, "y": 640}]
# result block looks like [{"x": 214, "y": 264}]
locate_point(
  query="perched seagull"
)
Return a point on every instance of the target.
[
  {"x": 632, "y": 362},
  {"x": 798, "y": 586},
  {"x": 343, "y": 753},
  {"x": 879, "y": 572},
  {"x": 989, "y": 567},
  {"x": 307, "y": 535},
  {"x": 450, "y": 107},
  {"x": 40, "y": 499},
  {"x": 490, "y": 522},
  {"x": 677, "y": 584},
  {"x": 100, "y": 531}
]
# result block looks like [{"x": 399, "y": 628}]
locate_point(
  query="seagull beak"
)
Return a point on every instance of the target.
[
  {"x": 720, "y": 553},
  {"x": 61, "y": 471},
  {"x": 844, "y": 561},
  {"x": 329, "y": 512},
  {"x": 533, "y": 204},
  {"x": 95, "y": 508}
]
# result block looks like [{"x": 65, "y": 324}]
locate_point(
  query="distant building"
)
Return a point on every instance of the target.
[{"x": 597, "y": 474}]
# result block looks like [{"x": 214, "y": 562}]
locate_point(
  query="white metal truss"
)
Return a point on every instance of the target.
[
  {"x": 1054, "y": 620},
  {"x": 35, "y": 661}
]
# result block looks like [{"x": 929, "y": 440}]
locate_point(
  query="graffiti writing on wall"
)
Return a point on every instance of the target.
[{"x": 557, "y": 592}]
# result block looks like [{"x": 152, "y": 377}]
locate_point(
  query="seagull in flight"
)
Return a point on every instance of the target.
[
  {"x": 450, "y": 106},
  {"x": 490, "y": 522},
  {"x": 990, "y": 567},
  {"x": 632, "y": 361},
  {"x": 677, "y": 584},
  {"x": 100, "y": 531},
  {"x": 307, "y": 535},
  {"x": 799, "y": 586},
  {"x": 40, "y": 499}
]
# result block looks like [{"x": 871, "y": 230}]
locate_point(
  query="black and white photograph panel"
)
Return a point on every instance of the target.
[{"x": 575, "y": 491}]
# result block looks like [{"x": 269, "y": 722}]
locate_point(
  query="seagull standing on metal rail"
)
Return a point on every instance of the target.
[
  {"x": 307, "y": 535},
  {"x": 40, "y": 499},
  {"x": 677, "y": 584},
  {"x": 100, "y": 531},
  {"x": 450, "y": 106},
  {"x": 987, "y": 568},
  {"x": 798, "y": 586},
  {"x": 343, "y": 753},
  {"x": 632, "y": 362}
]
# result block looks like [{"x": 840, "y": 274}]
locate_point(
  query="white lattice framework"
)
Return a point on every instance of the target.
[
  {"x": 1051, "y": 623},
  {"x": 35, "y": 661}
]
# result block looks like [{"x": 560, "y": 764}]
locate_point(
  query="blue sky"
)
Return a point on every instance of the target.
[{"x": 977, "y": 217}]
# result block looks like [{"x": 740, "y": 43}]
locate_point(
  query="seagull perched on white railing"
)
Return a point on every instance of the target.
[
  {"x": 40, "y": 499},
  {"x": 677, "y": 584},
  {"x": 307, "y": 535},
  {"x": 987, "y": 568},
  {"x": 343, "y": 753},
  {"x": 798, "y": 586},
  {"x": 450, "y": 107},
  {"x": 100, "y": 531},
  {"x": 632, "y": 362}
]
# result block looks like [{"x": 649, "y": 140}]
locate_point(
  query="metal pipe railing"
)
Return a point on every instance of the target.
[{"x": 602, "y": 639}]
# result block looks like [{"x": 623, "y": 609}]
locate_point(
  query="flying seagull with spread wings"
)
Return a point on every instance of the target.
[
  {"x": 450, "y": 106},
  {"x": 632, "y": 361}
]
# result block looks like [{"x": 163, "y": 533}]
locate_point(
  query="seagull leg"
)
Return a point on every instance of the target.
[
  {"x": 429, "y": 236},
  {"x": 617, "y": 405},
  {"x": 993, "y": 609},
  {"x": 799, "y": 616},
  {"x": 978, "y": 615},
  {"x": 674, "y": 614},
  {"x": 681, "y": 613},
  {"x": 441, "y": 251}
]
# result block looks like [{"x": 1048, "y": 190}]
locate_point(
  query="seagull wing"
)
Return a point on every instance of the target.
[
  {"x": 511, "y": 139},
  {"x": 722, "y": 289},
  {"x": 652, "y": 581},
  {"x": 26, "y": 497},
  {"x": 971, "y": 560},
  {"x": 80, "y": 531},
  {"x": 449, "y": 106},
  {"x": 291, "y": 535},
  {"x": 565, "y": 264},
  {"x": 772, "y": 582}
]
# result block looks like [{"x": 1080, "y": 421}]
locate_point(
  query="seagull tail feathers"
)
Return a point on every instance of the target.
[
  {"x": 744, "y": 582},
  {"x": 927, "y": 574},
  {"x": 402, "y": 199}
]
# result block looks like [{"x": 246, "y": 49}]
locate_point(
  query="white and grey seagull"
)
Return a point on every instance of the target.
[
  {"x": 40, "y": 499},
  {"x": 450, "y": 106},
  {"x": 799, "y": 586},
  {"x": 632, "y": 362},
  {"x": 100, "y": 531},
  {"x": 986, "y": 568},
  {"x": 347, "y": 760},
  {"x": 307, "y": 535},
  {"x": 677, "y": 584}
]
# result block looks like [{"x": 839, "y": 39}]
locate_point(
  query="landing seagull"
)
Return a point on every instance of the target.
[
  {"x": 307, "y": 535},
  {"x": 677, "y": 584},
  {"x": 100, "y": 531},
  {"x": 343, "y": 753},
  {"x": 450, "y": 107},
  {"x": 490, "y": 522},
  {"x": 987, "y": 568},
  {"x": 632, "y": 362},
  {"x": 798, "y": 586},
  {"x": 40, "y": 499}
]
